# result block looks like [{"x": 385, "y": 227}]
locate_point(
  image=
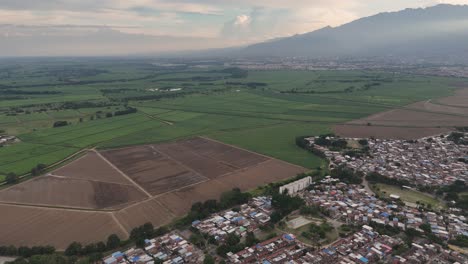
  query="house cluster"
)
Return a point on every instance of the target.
[
  {"x": 282, "y": 249},
  {"x": 456, "y": 223},
  {"x": 4, "y": 140},
  {"x": 169, "y": 249},
  {"x": 422, "y": 252},
  {"x": 248, "y": 218},
  {"x": 427, "y": 161},
  {"x": 351, "y": 204},
  {"x": 365, "y": 246}
]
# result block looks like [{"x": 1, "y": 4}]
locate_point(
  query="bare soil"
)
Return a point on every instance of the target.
[
  {"x": 148, "y": 211},
  {"x": 91, "y": 167},
  {"x": 152, "y": 170},
  {"x": 261, "y": 174},
  {"x": 41, "y": 226},
  {"x": 176, "y": 174},
  {"x": 413, "y": 121},
  {"x": 65, "y": 192}
]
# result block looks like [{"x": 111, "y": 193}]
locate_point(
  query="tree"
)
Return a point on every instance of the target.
[
  {"x": 11, "y": 178},
  {"x": 74, "y": 249},
  {"x": 113, "y": 242},
  {"x": 250, "y": 239},
  {"x": 60, "y": 123},
  {"x": 208, "y": 259}
]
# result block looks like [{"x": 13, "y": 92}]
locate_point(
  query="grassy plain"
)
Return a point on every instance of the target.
[
  {"x": 410, "y": 196},
  {"x": 262, "y": 112}
]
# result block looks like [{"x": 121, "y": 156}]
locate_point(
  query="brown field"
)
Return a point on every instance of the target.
[
  {"x": 230, "y": 155},
  {"x": 91, "y": 167},
  {"x": 180, "y": 202},
  {"x": 147, "y": 211},
  {"x": 413, "y": 121},
  {"x": 153, "y": 183},
  {"x": 152, "y": 170},
  {"x": 209, "y": 167},
  {"x": 264, "y": 173},
  {"x": 58, "y": 191},
  {"x": 57, "y": 227}
]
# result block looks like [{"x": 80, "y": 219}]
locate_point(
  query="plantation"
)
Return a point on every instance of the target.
[{"x": 263, "y": 111}]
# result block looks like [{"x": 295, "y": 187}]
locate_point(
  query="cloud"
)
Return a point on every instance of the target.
[
  {"x": 242, "y": 21},
  {"x": 224, "y": 22}
]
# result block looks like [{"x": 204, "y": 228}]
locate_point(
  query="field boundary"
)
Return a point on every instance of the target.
[{"x": 123, "y": 174}]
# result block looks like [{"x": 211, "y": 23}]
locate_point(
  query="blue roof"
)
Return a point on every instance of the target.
[
  {"x": 289, "y": 237},
  {"x": 384, "y": 214},
  {"x": 196, "y": 222},
  {"x": 363, "y": 259},
  {"x": 328, "y": 251},
  {"x": 136, "y": 258},
  {"x": 118, "y": 254},
  {"x": 266, "y": 262}
]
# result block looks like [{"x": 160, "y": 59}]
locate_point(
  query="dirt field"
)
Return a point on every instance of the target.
[
  {"x": 180, "y": 202},
  {"x": 148, "y": 211},
  {"x": 234, "y": 156},
  {"x": 40, "y": 226},
  {"x": 153, "y": 183},
  {"x": 264, "y": 173},
  {"x": 152, "y": 170},
  {"x": 66, "y": 192},
  {"x": 413, "y": 121},
  {"x": 91, "y": 167},
  {"x": 208, "y": 167}
]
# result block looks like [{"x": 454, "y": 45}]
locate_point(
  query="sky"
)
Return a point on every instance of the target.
[{"x": 173, "y": 24}]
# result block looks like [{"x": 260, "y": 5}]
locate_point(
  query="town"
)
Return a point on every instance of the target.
[
  {"x": 381, "y": 231},
  {"x": 436, "y": 161}
]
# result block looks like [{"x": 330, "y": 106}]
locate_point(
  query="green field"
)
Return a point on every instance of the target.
[
  {"x": 262, "y": 111},
  {"x": 408, "y": 195}
]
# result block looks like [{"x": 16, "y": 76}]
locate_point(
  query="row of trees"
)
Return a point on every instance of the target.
[
  {"x": 13, "y": 178},
  {"x": 202, "y": 210},
  {"x": 26, "y": 252}
]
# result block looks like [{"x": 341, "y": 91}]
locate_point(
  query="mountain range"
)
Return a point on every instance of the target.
[{"x": 438, "y": 32}]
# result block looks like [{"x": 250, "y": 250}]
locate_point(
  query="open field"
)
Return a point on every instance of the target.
[
  {"x": 413, "y": 121},
  {"x": 58, "y": 227},
  {"x": 59, "y": 191},
  {"x": 130, "y": 186},
  {"x": 262, "y": 111},
  {"x": 152, "y": 170},
  {"x": 408, "y": 195},
  {"x": 91, "y": 167}
]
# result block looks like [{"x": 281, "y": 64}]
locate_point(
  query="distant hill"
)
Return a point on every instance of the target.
[{"x": 435, "y": 32}]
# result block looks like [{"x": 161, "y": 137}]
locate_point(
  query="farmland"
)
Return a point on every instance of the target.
[
  {"x": 119, "y": 189},
  {"x": 262, "y": 111},
  {"x": 153, "y": 139}
]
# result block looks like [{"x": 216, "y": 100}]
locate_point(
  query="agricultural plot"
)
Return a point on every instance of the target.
[
  {"x": 413, "y": 121},
  {"x": 33, "y": 226},
  {"x": 127, "y": 187},
  {"x": 56, "y": 191},
  {"x": 152, "y": 170}
]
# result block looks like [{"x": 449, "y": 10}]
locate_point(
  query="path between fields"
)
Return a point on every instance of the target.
[
  {"x": 123, "y": 174},
  {"x": 120, "y": 224}
]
